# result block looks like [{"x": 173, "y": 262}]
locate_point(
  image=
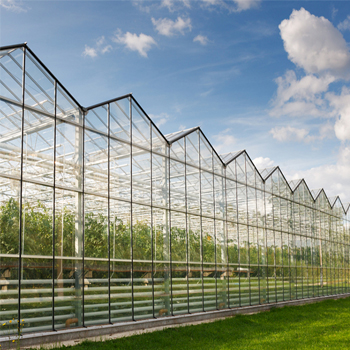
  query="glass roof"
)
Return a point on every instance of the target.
[{"x": 40, "y": 100}]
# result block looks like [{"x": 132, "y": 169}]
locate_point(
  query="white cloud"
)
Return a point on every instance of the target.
[
  {"x": 170, "y": 4},
  {"x": 243, "y": 5},
  {"x": 160, "y": 119},
  {"x": 333, "y": 178},
  {"x": 233, "y": 5},
  {"x": 302, "y": 97},
  {"x": 12, "y": 5},
  {"x": 213, "y": 2},
  {"x": 168, "y": 27},
  {"x": 203, "y": 40},
  {"x": 106, "y": 49},
  {"x": 100, "y": 48},
  {"x": 334, "y": 12},
  {"x": 326, "y": 131},
  {"x": 224, "y": 141},
  {"x": 262, "y": 163},
  {"x": 341, "y": 104},
  {"x": 345, "y": 25},
  {"x": 314, "y": 44},
  {"x": 288, "y": 133},
  {"x": 90, "y": 51},
  {"x": 140, "y": 5},
  {"x": 141, "y": 43}
]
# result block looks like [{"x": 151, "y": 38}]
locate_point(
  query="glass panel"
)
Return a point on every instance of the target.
[
  {"x": 219, "y": 195},
  {"x": 244, "y": 269},
  {"x": 68, "y": 259},
  {"x": 119, "y": 121},
  {"x": 161, "y": 263},
  {"x": 209, "y": 270},
  {"x": 9, "y": 241},
  {"x": 206, "y": 190},
  {"x": 160, "y": 189},
  {"x": 142, "y": 255},
  {"x": 262, "y": 266},
  {"x": 120, "y": 256},
  {"x": 206, "y": 158},
  {"x": 195, "y": 271},
  {"x": 233, "y": 259},
  {"x": 11, "y": 74},
  {"x": 141, "y": 132},
  {"x": 36, "y": 294},
  {"x": 141, "y": 175},
  {"x": 96, "y": 301},
  {"x": 119, "y": 167},
  {"x": 242, "y": 203},
  {"x": 159, "y": 144},
  {"x": 177, "y": 150},
  {"x": 192, "y": 148},
  {"x": 193, "y": 189},
  {"x": 177, "y": 185},
  {"x": 96, "y": 163},
  {"x": 69, "y": 155},
  {"x": 38, "y": 147},
  {"x": 37, "y": 246},
  {"x": 39, "y": 86},
  {"x": 221, "y": 265},
  {"x": 97, "y": 118},
  {"x": 10, "y": 139},
  {"x": 66, "y": 108},
  {"x": 250, "y": 172},
  {"x": 179, "y": 263},
  {"x": 231, "y": 200}
]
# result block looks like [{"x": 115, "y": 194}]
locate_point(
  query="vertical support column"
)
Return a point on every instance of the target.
[
  {"x": 248, "y": 236},
  {"x": 131, "y": 223},
  {"x": 238, "y": 241},
  {"x": 79, "y": 224},
  {"x": 152, "y": 227},
  {"x": 188, "y": 250},
  {"x": 168, "y": 191},
  {"x": 168, "y": 286},
  {"x": 320, "y": 253},
  {"x": 21, "y": 228},
  {"x": 224, "y": 240},
  {"x": 273, "y": 230},
  {"x": 200, "y": 213},
  {"x": 257, "y": 235},
  {"x": 54, "y": 212},
  {"x": 263, "y": 271},
  {"x": 228, "y": 303},
  {"x": 109, "y": 211},
  {"x": 215, "y": 236}
]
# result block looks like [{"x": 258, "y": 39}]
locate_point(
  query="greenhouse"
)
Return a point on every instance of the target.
[{"x": 103, "y": 219}]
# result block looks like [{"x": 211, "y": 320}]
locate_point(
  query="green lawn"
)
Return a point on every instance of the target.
[{"x": 324, "y": 325}]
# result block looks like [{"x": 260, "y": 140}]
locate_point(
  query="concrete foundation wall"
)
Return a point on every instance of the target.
[{"x": 57, "y": 337}]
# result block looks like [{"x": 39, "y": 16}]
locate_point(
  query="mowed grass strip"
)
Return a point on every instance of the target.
[{"x": 323, "y": 325}]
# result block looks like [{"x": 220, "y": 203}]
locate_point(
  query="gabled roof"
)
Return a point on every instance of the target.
[{"x": 169, "y": 139}]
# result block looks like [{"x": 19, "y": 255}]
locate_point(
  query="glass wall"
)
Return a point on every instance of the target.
[{"x": 103, "y": 219}]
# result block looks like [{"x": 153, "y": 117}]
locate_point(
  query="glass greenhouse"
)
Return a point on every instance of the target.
[{"x": 104, "y": 219}]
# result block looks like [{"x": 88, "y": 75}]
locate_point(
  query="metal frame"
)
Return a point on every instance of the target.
[{"x": 283, "y": 212}]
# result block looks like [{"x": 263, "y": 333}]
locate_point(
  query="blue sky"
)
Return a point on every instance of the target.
[{"x": 271, "y": 77}]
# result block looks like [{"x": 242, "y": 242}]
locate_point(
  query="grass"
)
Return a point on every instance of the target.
[{"x": 323, "y": 325}]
